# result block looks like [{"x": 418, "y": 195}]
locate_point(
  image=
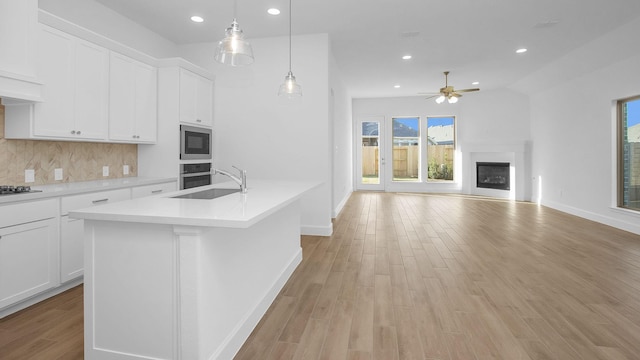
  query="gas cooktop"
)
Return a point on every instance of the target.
[{"x": 9, "y": 189}]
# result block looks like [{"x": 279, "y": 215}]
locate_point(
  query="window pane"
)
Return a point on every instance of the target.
[
  {"x": 406, "y": 149},
  {"x": 370, "y": 153},
  {"x": 440, "y": 148},
  {"x": 630, "y": 128}
]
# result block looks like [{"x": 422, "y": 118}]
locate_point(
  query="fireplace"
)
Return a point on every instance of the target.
[{"x": 493, "y": 175}]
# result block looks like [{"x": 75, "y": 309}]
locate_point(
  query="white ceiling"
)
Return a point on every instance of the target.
[{"x": 474, "y": 39}]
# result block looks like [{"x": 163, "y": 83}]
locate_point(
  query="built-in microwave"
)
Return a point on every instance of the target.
[{"x": 195, "y": 143}]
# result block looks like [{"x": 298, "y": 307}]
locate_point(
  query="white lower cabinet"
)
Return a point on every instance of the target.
[
  {"x": 148, "y": 190},
  {"x": 29, "y": 250},
  {"x": 71, "y": 248},
  {"x": 72, "y": 230}
]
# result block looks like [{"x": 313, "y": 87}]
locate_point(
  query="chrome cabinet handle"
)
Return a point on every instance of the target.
[
  {"x": 99, "y": 201},
  {"x": 156, "y": 191}
]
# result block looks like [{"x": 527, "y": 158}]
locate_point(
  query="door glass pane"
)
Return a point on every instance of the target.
[
  {"x": 631, "y": 154},
  {"x": 440, "y": 148},
  {"x": 406, "y": 145},
  {"x": 370, "y": 152}
]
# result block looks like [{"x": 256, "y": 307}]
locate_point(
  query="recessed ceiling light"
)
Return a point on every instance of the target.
[
  {"x": 521, "y": 50},
  {"x": 475, "y": 83},
  {"x": 406, "y": 57},
  {"x": 396, "y": 86},
  {"x": 196, "y": 18},
  {"x": 273, "y": 11}
]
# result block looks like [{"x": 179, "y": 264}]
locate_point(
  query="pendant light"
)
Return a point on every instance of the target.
[
  {"x": 234, "y": 50},
  {"x": 290, "y": 88}
]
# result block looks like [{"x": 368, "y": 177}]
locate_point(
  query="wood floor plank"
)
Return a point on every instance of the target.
[{"x": 424, "y": 276}]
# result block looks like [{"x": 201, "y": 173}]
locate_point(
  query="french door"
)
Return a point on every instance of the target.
[{"x": 370, "y": 154}]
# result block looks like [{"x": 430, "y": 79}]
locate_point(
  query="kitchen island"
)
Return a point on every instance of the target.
[{"x": 181, "y": 278}]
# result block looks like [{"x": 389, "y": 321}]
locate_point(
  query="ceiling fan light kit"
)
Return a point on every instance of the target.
[
  {"x": 448, "y": 92},
  {"x": 234, "y": 50}
]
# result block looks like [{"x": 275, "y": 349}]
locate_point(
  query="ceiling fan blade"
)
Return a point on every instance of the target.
[
  {"x": 432, "y": 96},
  {"x": 428, "y": 93},
  {"x": 467, "y": 90}
]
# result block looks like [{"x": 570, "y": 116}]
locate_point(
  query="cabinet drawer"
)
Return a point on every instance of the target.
[
  {"x": 75, "y": 202},
  {"x": 20, "y": 213},
  {"x": 148, "y": 190}
]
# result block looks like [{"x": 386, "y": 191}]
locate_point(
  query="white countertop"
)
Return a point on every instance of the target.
[
  {"x": 80, "y": 187},
  {"x": 234, "y": 210}
]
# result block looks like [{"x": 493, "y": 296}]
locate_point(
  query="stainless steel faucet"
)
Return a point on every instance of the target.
[{"x": 240, "y": 180}]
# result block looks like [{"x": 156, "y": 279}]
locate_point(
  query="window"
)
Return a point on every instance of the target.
[
  {"x": 629, "y": 153},
  {"x": 370, "y": 152},
  {"x": 406, "y": 149},
  {"x": 440, "y": 149}
]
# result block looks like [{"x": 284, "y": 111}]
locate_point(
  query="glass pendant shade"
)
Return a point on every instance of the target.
[
  {"x": 440, "y": 99},
  {"x": 453, "y": 99},
  {"x": 234, "y": 50},
  {"x": 290, "y": 88}
]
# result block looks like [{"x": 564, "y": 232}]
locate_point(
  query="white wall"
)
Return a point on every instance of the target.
[
  {"x": 104, "y": 21},
  {"x": 573, "y": 126},
  {"x": 342, "y": 139},
  {"x": 487, "y": 119},
  {"x": 269, "y": 136}
]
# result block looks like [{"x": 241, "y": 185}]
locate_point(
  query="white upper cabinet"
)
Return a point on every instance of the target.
[
  {"x": 18, "y": 33},
  {"x": 75, "y": 106},
  {"x": 132, "y": 100},
  {"x": 75, "y": 76},
  {"x": 196, "y": 99}
]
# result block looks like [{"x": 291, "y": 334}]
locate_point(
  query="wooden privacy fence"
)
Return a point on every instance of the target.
[{"x": 405, "y": 159}]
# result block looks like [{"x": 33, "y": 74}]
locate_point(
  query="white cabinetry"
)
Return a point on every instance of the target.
[
  {"x": 196, "y": 99},
  {"x": 148, "y": 190},
  {"x": 29, "y": 250},
  {"x": 132, "y": 100},
  {"x": 72, "y": 230},
  {"x": 75, "y": 74},
  {"x": 18, "y": 28}
]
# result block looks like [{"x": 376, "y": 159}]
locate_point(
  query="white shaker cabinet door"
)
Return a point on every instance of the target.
[
  {"x": 91, "y": 90},
  {"x": 71, "y": 248},
  {"x": 54, "y": 116},
  {"x": 29, "y": 260},
  {"x": 146, "y": 110},
  {"x": 196, "y": 99},
  {"x": 133, "y": 89}
]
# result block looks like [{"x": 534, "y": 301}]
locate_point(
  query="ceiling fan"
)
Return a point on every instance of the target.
[{"x": 448, "y": 92}]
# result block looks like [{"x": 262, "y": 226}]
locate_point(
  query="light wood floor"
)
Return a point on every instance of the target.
[{"x": 409, "y": 276}]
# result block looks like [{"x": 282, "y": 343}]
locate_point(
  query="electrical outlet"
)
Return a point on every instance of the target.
[
  {"x": 29, "y": 176},
  {"x": 125, "y": 169},
  {"x": 57, "y": 174},
  {"x": 105, "y": 171}
]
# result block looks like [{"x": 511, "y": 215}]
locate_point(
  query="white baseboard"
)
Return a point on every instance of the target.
[
  {"x": 232, "y": 344},
  {"x": 341, "y": 205},
  {"x": 630, "y": 226},
  {"x": 316, "y": 230}
]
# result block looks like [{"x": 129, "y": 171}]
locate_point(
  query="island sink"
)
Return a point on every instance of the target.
[{"x": 207, "y": 194}]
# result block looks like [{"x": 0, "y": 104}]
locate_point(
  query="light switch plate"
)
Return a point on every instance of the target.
[
  {"x": 105, "y": 171},
  {"x": 125, "y": 169},
  {"x": 57, "y": 174},
  {"x": 29, "y": 176}
]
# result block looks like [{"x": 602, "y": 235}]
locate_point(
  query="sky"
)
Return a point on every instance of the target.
[
  {"x": 413, "y": 122},
  {"x": 633, "y": 113}
]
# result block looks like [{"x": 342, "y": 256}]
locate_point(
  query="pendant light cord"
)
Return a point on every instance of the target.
[
  {"x": 235, "y": 9},
  {"x": 289, "y": 35}
]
